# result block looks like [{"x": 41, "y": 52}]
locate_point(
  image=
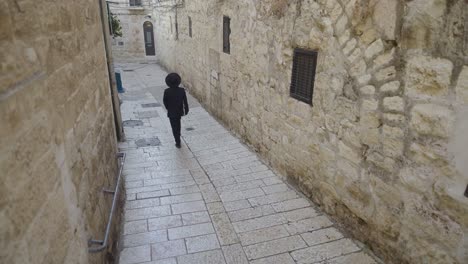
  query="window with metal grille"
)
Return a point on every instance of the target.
[
  {"x": 135, "y": 2},
  {"x": 226, "y": 34},
  {"x": 303, "y": 75},
  {"x": 176, "y": 29},
  {"x": 190, "y": 26}
]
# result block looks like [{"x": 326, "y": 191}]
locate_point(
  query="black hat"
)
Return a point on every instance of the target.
[{"x": 173, "y": 80}]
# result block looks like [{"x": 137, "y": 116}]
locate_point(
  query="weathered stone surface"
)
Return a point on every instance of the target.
[
  {"x": 428, "y": 76},
  {"x": 385, "y": 18},
  {"x": 367, "y": 90},
  {"x": 432, "y": 120},
  {"x": 390, "y": 88},
  {"x": 378, "y": 62},
  {"x": 375, "y": 48},
  {"x": 462, "y": 86},
  {"x": 386, "y": 74},
  {"x": 394, "y": 104},
  {"x": 57, "y": 134}
]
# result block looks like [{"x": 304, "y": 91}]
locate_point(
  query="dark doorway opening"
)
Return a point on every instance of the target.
[{"x": 149, "y": 38}]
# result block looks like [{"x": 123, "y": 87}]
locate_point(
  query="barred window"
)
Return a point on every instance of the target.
[
  {"x": 226, "y": 35},
  {"x": 135, "y": 2},
  {"x": 303, "y": 75},
  {"x": 190, "y": 26}
]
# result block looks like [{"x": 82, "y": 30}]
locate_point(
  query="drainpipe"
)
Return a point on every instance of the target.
[{"x": 103, "y": 7}]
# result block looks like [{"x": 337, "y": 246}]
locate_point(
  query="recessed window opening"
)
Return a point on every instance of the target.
[
  {"x": 190, "y": 26},
  {"x": 176, "y": 29},
  {"x": 226, "y": 35},
  {"x": 135, "y": 2},
  {"x": 303, "y": 75},
  {"x": 466, "y": 191}
]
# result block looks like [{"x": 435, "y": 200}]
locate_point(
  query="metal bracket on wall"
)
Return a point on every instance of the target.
[{"x": 115, "y": 192}]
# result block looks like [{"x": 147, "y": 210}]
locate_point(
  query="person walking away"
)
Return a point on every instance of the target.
[{"x": 175, "y": 101}]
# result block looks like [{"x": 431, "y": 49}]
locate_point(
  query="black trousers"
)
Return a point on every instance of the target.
[{"x": 175, "y": 124}]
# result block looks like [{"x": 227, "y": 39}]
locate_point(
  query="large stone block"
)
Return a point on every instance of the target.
[
  {"x": 394, "y": 104},
  {"x": 432, "y": 120},
  {"x": 385, "y": 18},
  {"x": 422, "y": 23},
  {"x": 428, "y": 77}
]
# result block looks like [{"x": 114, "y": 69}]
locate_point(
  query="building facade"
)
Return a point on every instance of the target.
[
  {"x": 379, "y": 139},
  {"x": 57, "y": 134},
  {"x": 137, "y": 40}
]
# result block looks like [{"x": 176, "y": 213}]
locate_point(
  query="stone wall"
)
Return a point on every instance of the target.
[
  {"x": 384, "y": 146},
  {"x": 131, "y": 46},
  {"x": 57, "y": 134}
]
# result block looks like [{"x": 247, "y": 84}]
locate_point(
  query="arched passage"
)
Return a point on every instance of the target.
[{"x": 149, "y": 38}]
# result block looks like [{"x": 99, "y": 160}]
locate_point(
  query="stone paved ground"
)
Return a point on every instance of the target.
[{"x": 213, "y": 201}]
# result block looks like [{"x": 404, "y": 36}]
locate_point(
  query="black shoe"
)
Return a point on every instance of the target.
[{"x": 178, "y": 145}]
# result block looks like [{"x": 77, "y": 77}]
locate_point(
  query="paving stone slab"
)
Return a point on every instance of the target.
[
  {"x": 188, "y": 207},
  {"x": 249, "y": 213},
  {"x": 196, "y": 218},
  {"x": 133, "y": 255},
  {"x": 202, "y": 243},
  {"x": 190, "y": 231},
  {"x": 134, "y": 227},
  {"x": 168, "y": 249},
  {"x": 278, "y": 259},
  {"x": 274, "y": 247},
  {"x": 224, "y": 229},
  {"x": 259, "y": 223},
  {"x": 164, "y": 222},
  {"x": 234, "y": 254},
  {"x": 324, "y": 251},
  {"x": 149, "y": 212},
  {"x": 360, "y": 257},
  {"x": 215, "y": 208},
  {"x": 207, "y": 257},
  {"x": 262, "y": 235},
  {"x": 321, "y": 236},
  {"x": 174, "y": 199},
  {"x": 144, "y": 238},
  {"x": 308, "y": 225}
]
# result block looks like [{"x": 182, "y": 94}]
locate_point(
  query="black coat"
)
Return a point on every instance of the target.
[{"x": 175, "y": 101}]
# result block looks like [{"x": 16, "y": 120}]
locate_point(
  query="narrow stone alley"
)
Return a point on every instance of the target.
[{"x": 213, "y": 200}]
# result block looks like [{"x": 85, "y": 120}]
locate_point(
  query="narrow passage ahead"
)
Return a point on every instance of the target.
[{"x": 212, "y": 201}]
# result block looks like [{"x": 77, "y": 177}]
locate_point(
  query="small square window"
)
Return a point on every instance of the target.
[
  {"x": 190, "y": 26},
  {"x": 121, "y": 43},
  {"x": 303, "y": 75},
  {"x": 135, "y": 2},
  {"x": 226, "y": 35}
]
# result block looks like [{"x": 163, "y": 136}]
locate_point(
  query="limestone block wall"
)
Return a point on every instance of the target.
[
  {"x": 57, "y": 134},
  {"x": 384, "y": 146}
]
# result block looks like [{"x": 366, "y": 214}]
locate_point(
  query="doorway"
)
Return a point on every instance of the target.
[{"x": 149, "y": 38}]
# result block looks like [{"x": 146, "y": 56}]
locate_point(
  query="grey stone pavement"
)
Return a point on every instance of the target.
[{"x": 212, "y": 201}]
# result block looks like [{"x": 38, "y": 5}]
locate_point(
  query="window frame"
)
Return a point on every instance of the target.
[
  {"x": 135, "y": 3},
  {"x": 293, "y": 89},
  {"x": 226, "y": 34},
  {"x": 190, "y": 26}
]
